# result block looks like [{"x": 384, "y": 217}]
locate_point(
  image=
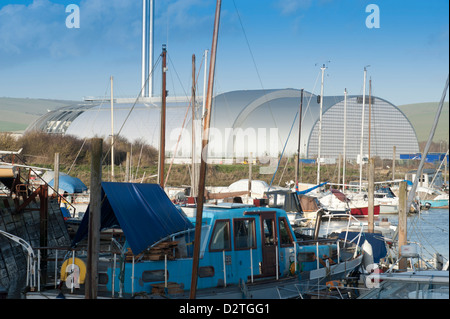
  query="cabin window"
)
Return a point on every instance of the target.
[
  {"x": 154, "y": 275},
  {"x": 285, "y": 233},
  {"x": 269, "y": 236},
  {"x": 220, "y": 239},
  {"x": 306, "y": 257},
  {"x": 207, "y": 271},
  {"x": 244, "y": 233}
]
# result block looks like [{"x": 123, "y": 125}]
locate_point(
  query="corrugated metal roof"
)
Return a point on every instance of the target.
[{"x": 242, "y": 122}]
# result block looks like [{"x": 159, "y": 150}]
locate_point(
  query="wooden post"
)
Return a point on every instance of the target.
[
  {"x": 402, "y": 233},
  {"x": 393, "y": 162},
  {"x": 371, "y": 196},
  {"x": 56, "y": 177},
  {"x": 296, "y": 168},
  {"x": 339, "y": 169},
  {"x": 94, "y": 219},
  {"x": 250, "y": 163},
  {"x": 43, "y": 228},
  {"x": 127, "y": 168}
]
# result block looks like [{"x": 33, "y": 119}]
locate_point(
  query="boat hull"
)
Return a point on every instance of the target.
[
  {"x": 435, "y": 203},
  {"x": 364, "y": 211},
  {"x": 294, "y": 287},
  {"x": 388, "y": 209}
]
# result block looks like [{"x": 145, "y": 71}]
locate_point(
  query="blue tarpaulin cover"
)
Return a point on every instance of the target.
[
  {"x": 69, "y": 184},
  {"x": 376, "y": 240},
  {"x": 143, "y": 211}
]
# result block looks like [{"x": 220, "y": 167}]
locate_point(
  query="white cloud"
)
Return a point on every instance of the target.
[
  {"x": 291, "y": 6},
  {"x": 38, "y": 30}
]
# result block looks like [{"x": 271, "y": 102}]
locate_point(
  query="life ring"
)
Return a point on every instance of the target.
[{"x": 79, "y": 267}]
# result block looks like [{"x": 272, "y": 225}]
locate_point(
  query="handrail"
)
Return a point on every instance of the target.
[
  {"x": 31, "y": 185},
  {"x": 31, "y": 260}
]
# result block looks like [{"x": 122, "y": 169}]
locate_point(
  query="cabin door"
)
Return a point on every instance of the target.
[{"x": 269, "y": 243}]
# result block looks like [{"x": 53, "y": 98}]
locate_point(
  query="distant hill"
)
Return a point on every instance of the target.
[
  {"x": 17, "y": 113},
  {"x": 421, "y": 116}
]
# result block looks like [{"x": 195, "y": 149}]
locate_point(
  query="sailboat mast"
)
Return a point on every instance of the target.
[
  {"x": 162, "y": 142},
  {"x": 204, "y": 84},
  {"x": 299, "y": 135},
  {"x": 112, "y": 131},
  {"x": 193, "y": 140},
  {"x": 370, "y": 113},
  {"x": 362, "y": 131},
  {"x": 205, "y": 138},
  {"x": 320, "y": 127},
  {"x": 345, "y": 140}
]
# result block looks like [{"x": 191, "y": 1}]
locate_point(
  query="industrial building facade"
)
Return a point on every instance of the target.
[{"x": 264, "y": 123}]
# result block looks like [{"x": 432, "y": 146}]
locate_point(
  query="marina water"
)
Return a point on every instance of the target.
[{"x": 430, "y": 228}]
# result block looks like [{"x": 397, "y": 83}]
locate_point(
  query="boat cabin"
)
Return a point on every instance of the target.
[
  {"x": 239, "y": 244},
  {"x": 430, "y": 178}
]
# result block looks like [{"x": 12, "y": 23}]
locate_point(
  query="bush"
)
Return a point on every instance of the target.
[{"x": 40, "y": 148}]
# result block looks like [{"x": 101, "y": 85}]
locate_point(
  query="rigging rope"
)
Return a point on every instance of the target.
[
  {"x": 132, "y": 108},
  {"x": 86, "y": 138},
  {"x": 182, "y": 126},
  {"x": 254, "y": 63},
  {"x": 281, "y": 156}
]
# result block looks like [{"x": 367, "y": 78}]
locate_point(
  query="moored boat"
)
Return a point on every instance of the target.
[
  {"x": 357, "y": 203},
  {"x": 387, "y": 200},
  {"x": 246, "y": 252}
]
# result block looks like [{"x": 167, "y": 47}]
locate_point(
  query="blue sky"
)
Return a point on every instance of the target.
[{"x": 263, "y": 44}]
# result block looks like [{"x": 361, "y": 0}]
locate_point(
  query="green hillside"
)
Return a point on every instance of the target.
[
  {"x": 421, "y": 116},
  {"x": 17, "y": 113}
]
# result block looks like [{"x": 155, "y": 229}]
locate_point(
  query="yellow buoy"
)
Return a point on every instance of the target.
[{"x": 73, "y": 271}]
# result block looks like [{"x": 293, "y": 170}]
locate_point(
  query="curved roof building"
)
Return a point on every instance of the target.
[{"x": 263, "y": 122}]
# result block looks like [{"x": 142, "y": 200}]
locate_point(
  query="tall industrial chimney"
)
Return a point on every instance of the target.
[{"x": 147, "y": 47}]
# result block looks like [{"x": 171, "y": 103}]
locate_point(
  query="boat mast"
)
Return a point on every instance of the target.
[
  {"x": 370, "y": 112},
  {"x": 162, "y": 142},
  {"x": 345, "y": 139},
  {"x": 298, "y": 145},
  {"x": 362, "y": 131},
  {"x": 112, "y": 131},
  {"x": 205, "y": 138},
  {"x": 204, "y": 84},
  {"x": 193, "y": 140},
  {"x": 320, "y": 127}
]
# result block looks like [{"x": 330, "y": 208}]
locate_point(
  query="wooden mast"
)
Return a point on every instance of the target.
[
  {"x": 162, "y": 143},
  {"x": 205, "y": 138},
  {"x": 299, "y": 135},
  {"x": 194, "y": 180}
]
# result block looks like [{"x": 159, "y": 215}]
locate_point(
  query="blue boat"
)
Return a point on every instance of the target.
[
  {"x": 246, "y": 251},
  {"x": 434, "y": 203}
]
